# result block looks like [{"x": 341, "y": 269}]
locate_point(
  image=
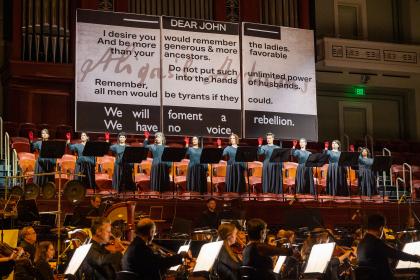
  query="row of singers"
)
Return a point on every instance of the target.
[{"x": 272, "y": 179}]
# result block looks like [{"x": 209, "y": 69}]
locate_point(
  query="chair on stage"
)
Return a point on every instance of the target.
[
  {"x": 26, "y": 163},
  {"x": 181, "y": 169},
  {"x": 67, "y": 165},
  {"x": 320, "y": 175},
  {"x": 21, "y": 146},
  {"x": 142, "y": 174},
  {"x": 219, "y": 176},
  {"x": 105, "y": 170},
  {"x": 255, "y": 175},
  {"x": 289, "y": 176}
]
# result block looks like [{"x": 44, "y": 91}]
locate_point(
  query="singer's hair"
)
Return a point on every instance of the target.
[
  {"x": 338, "y": 143},
  {"x": 46, "y": 131},
  {"x": 87, "y": 136},
  {"x": 161, "y": 135},
  {"x": 236, "y": 138},
  {"x": 122, "y": 134},
  {"x": 269, "y": 134}
]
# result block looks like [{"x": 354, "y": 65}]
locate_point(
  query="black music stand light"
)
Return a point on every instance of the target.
[
  {"x": 246, "y": 154},
  {"x": 211, "y": 156},
  {"x": 171, "y": 154},
  {"x": 317, "y": 160},
  {"x": 349, "y": 160}
]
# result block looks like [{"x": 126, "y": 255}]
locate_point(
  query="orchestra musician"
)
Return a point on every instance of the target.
[
  {"x": 366, "y": 177},
  {"x": 304, "y": 182},
  {"x": 374, "y": 254},
  {"x": 84, "y": 164},
  {"x": 8, "y": 259},
  {"x": 44, "y": 253},
  {"x": 122, "y": 178},
  {"x": 235, "y": 178},
  {"x": 228, "y": 263},
  {"x": 141, "y": 260},
  {"x": 209, "y": 218},
  {"x": 197, "y": 172},
  {"x": 81, "y": 214},
  {"x": 272, "y": 178},
  {"x": 24, "y": 269},
  {"x": 43, "y": 165},
  {"x": 159, "y": 174},
  {"x": 101, "y": 263},
  {"x": 257, "y": 253},
  {"x": 336, "y": 175}
]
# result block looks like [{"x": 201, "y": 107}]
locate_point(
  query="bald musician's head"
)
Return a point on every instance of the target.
[{"x": 146, "y": 229}]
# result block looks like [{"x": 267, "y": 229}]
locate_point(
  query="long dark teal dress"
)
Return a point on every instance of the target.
[
  {"x": 159, "y": 174},
  {"x": 366, "y": 177},
  {"x": 122, "y": 180},
  {"x": 235, "y": 178},
  {"x": 304, "y": 182},
  {"x": 43, "y": 165},
  {"x": 336, "y": 175},
  {"x": 272, "y": 177},
  {"x": 197, "y": 173},
  {"x": 84, "y": 165}
]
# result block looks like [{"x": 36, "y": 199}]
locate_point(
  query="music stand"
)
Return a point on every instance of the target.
[
  {"x": 173, "y": 155},
  {"x": 77, "y": 259},
  {"x": 246, "y": 154},
  {"x": 319, "y": 258},
  {"x": 211, "y": 156},
  {"x": 280, "y": 155},
  {"x": 382, "y": 164},
  {"x": 52, "y": 149},
  {"x": 207, "y": 256},
  {"x": 317, "y": 160},
  {"x": 133, "y": 155},
  {"x": 95, "y": 149},
  {"x": 349, "y": 160}
]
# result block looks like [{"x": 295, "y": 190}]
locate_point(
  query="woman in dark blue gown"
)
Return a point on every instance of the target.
[
  {"x": 159, "y": 174},
  {"x": 304, "y": 182},
  {"x": 197, "y": 173},
  {"x": 272, "y": 177},
  {"x": 235, "y": 178},
  {"x": 85, "y": 165},
  {"x": 336, "y": 175},
  {"x": 366, "y": 177},
  {"x": 43, "y": 165},
  {"x": 122, "y": 179}
]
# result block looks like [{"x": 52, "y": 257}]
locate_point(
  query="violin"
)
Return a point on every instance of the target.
[
  {"x": 116, "y": 245},
  {"x": 7, "y": 250}
]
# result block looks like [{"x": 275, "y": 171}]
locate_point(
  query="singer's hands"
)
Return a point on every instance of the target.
[
  {"x": 187, "y": 141},
  {"x": 351, "y": 148},
  {"x": 219, "y": 142},
  {"x": 294, "y": 143},
  {"x": 31, "y": 136},
  {"x": 146, "y": 134},
  {"x": 260, "y": 141},
  {"x": 107, "y": 136},
  {"x": 326, "y": 145},
  {"x": 68, "y": 136}
]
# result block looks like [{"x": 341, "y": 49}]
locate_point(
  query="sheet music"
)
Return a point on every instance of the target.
[
  {"x": 412, "y": 248},
  {"x": 183, "y": 248},
  {"x": 207, "y": 256},
  {"x": 77, "y": 258},
  {"x": 319, "y": 257},
  {"x": 279, "y": 264}
]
